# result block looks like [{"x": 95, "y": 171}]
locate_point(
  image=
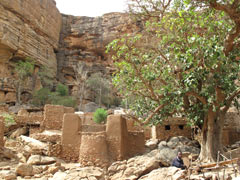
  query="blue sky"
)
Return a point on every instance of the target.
[{"x": 90, "y": 8}]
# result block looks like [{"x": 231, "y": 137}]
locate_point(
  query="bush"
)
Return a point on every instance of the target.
[
  {"x": 44, "y": 96},
  {"x": 41, "y": 97},
  {"x": 67, "y": 101},
  {"x": 100, "y": 115},
  {"x": 62, "y": 90}
]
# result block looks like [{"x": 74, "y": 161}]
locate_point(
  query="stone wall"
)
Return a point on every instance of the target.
[
  {"x": 117, "y": 136},
  {"x": 53, "y": 116},
  {"x": 173, "y": 127},
  {"x": 99, "y": 145},
  {"x": 71, "y": 138},
  {"x": 1, "y": 131},
  {"x": 87, "y": 118},
  {"x": 135, "y": 143},
  {"x": 94, "y": 150}
]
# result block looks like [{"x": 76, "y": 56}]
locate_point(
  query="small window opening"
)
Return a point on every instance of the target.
[
  {"x": 167, "y": 127},
  {"x": 181, "y": 127}
]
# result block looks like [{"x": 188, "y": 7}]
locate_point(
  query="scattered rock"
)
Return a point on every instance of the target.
[
  {"x": 24, "y": 170},
  {"x": 37, "y": 147},
  {"x": 59, "y": 175},
  {"x": 7, "y": 175},
  {"x": 152, "y": 143},
  {"x": 18, "y": 132},
  {"x": 40, "y": 160}
]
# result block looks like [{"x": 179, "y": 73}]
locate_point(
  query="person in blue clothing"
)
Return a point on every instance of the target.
[{"x": 178, "y": 162}]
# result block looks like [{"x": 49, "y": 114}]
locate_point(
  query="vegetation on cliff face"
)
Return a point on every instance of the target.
[
  {"x": 59, "y": 97},
  {"x": 185, "y": 61},
  {"x": 24, "y": 70}
]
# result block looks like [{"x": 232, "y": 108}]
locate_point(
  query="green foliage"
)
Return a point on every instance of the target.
[
  {"x": 41, "y": 97},
  {"x": 100, "y": 115},
  {"x": 101, "y": 87},
  {"x": 24, "y": 68},
  {"x": 178, "y": 61},
  {"x": 68, "y": 101},
  {"x": 9, "y": 119},
  {"x": 62, "y": 90},
  {"x": 46, "y": 76},
  {"x": 44, "y": 96}
]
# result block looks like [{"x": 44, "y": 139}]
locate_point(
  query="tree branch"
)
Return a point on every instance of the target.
[
  {"x": 196, "y": 95},
  {"x": 153, "y": 113},
  {"x": 229, "y": 101}
]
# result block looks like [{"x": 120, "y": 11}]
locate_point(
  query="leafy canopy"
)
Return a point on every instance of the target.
[{"x": 178, "y": 63}]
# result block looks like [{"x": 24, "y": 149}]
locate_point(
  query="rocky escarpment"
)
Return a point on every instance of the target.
[
  {"x": 28, "y": 28},
  {"x": 83, "y": 39}
]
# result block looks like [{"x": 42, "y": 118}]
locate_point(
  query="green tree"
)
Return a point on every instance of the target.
[
  {"x": 41, "y": 97},
  {"x": 23, "y": 69},
  {"x": 62, "y": 90},
  {"x": 81, "y": 75},
  {"x": 46, "y": 76},
  {"x": 100, "y": 115},
  {"x": 185, "y": 61},
  {"x": 101, "y": 86}
]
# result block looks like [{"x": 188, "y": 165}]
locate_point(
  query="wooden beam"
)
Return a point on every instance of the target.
[{"x": 222, "y": 163}]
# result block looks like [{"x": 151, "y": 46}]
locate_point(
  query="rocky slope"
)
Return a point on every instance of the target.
[{"x": 20, "y": 160}]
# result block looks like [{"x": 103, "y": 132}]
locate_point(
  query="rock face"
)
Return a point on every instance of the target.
[
  {"x": 28, "y": 29},
  {"x": 83, "y": 39}
]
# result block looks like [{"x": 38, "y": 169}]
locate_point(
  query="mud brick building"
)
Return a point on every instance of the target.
[{"x": 99, "y": 145}]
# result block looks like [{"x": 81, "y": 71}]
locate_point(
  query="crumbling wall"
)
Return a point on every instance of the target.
[
  {"x": 53, "y": 116},
  {"x": 29, "y": 118},
  {"x": 173, "y": 127},
  {"x": 135, "y": 143},
  {"x": 98, "y": 145},
  {"x": 93, "y": 149},
  {"x": 133, "y": 126},
  {"x": 87, "y": 118},
  {"x": 71, "y": 137},
  {"x": 1, "y": 131},
  {"x": 93, "y": 128},
  {"x": 117, "y": 137},
  {"x": 231, "y": 130}
]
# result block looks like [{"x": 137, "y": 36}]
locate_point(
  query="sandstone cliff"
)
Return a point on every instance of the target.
[
  {"x": 83, "y": 39},
  {"x": 36, "y": 29},
  {"x": 28, "y": 28}
]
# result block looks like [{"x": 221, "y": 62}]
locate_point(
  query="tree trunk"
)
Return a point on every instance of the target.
[
  {"x": 211, "y": 142},
  {"x": 18, "y": 93}
]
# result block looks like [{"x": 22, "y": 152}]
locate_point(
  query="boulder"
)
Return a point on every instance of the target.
[
  {"x": 133, "y": 168},
  {"x": 59, "y": 175},
  {"x": 36, "y": 147},
  {"x": 7, "y": 175},
  {"x": 40, "y": 160},
  {"x": 53, "y": 136},
  {"x": 90, "y": 107},
  {"x": 170, "y": 173},
  {"x": 152, "y": 143},
  {"x": 24, "y": 170},
  {"x": 168, "y": 150},
  {"x": 18, "y": 132}
]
